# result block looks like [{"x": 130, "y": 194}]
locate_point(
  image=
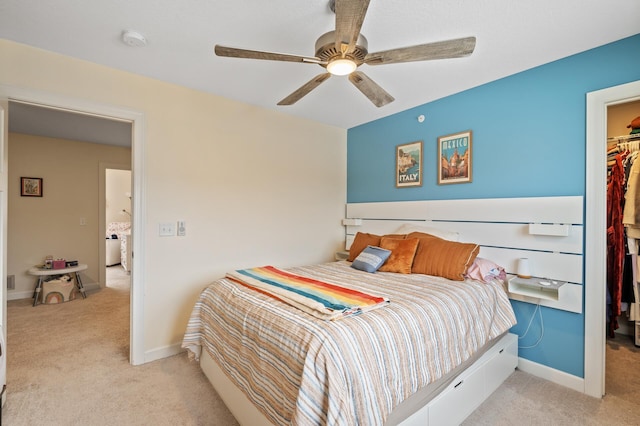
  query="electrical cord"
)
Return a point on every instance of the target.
[{"x": 539, "y": 311}]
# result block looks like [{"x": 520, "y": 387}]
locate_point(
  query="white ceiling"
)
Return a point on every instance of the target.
[
  {"x": 512, "y": 36},
  {"x": 55, "y": 123}
]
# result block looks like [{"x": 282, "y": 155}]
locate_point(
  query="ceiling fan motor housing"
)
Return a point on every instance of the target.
[{"x": 326, "y": 48}]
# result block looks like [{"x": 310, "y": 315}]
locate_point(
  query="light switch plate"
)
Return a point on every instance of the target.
[
  {"x": 182, "y": 230},
  {"x": 167, "y": 229}
]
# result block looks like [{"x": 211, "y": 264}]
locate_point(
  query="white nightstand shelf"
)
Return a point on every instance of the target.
[
  {"x": 342, "y": 255},
  {"x": 539, "y": 288}
]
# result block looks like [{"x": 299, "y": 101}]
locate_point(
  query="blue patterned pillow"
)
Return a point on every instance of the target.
[{"x": 371, "y": 258}]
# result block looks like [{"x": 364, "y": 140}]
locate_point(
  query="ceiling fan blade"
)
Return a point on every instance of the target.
[
  {"x": 233, "y": 52},
  {"x": 306, "y": 88},
  {"x": 424, "y": 52},
  {"x": 349, "y": 18},
  {"x": 370, "y": 88}
]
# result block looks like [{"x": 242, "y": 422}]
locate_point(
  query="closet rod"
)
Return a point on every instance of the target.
[{"x": 624, "y": 138}]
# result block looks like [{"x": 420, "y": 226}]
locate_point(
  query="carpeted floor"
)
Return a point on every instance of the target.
[
  {"x": 528, "y": 400},
  {"x": 68, "y": 364}
]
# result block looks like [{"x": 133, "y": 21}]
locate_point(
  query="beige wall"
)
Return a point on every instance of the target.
[
  {"x": 51, "y": 225},
  {"x": 254, "y": 186},
  {"x": 620, "y": 116}
]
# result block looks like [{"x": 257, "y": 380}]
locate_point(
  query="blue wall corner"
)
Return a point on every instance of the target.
[
  {"x": 560, "y": 334},
  {"x": 529, "y": 139}
]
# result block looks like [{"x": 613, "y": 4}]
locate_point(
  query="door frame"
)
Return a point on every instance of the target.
[
  {"x": 595, "y": 231},
  {"x": 137, "y": 120},
  {"x": 4, "y": 149}
]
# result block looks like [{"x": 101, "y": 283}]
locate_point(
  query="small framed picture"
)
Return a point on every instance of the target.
[
  {"x": 30, "y": 187},
  {"x": 409, "y": 164},
  {"x": 455, "y": 158}
]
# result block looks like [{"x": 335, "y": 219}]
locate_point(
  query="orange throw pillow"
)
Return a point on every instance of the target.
[
  {"x": 402, "y": 253},
  {"x": 448, "y": 259}
]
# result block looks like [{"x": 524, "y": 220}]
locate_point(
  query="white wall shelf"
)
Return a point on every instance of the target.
[
  {"x": 540, "y": 288},
  {"x": 566, "y": 296},
  {"x": 341, "y": 255},
  {"x": 555, "y": 230}
]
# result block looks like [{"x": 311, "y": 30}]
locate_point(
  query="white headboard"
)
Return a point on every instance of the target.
[{"x": 501, "y": 226}]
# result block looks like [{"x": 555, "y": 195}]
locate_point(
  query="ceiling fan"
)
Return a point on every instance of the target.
[{"x": 342, "y": 51}]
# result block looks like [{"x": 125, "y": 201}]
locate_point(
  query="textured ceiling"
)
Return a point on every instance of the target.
[{"x": 512, "y": 36}]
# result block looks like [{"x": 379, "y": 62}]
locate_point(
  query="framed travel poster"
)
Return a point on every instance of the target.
[
  {"x": 455, "y": 158},
  {"x": 409, "y": 164}
]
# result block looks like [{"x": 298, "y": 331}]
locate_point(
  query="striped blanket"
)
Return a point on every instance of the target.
[
  {"x": 299, "y": 370},
  {"x": 321, "y": 299}
]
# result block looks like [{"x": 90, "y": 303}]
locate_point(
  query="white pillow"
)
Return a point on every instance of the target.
[{"x": 407, "y": 228}]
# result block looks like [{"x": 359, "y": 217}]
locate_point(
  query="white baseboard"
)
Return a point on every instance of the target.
[
  {"x": 16, "y": 295},
  {"x": 163, "y": 352},
  {"x": 551, "y": 374}
]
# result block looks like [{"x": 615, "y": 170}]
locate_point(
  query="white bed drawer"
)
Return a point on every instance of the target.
[
  {"x": 502, "y": 364},
  {"x": 446, "y": 409},
  {"x": 475, "y": 384}
]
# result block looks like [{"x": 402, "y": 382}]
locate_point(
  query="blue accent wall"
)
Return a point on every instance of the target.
[{"x": 529, "y": 140}]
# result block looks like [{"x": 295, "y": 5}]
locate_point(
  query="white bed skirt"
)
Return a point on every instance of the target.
[{"x": 460, "y": 398}]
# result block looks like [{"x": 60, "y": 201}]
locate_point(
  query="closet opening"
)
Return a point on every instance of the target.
[{"x": 623, "y": 246}]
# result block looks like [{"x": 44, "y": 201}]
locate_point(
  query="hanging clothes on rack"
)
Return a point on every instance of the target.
[
  {"x": 615, "y": 242},
  {"x": 631, "y": 221},
  {"x": 623, "y": 232}
]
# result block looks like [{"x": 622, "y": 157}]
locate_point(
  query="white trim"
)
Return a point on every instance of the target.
[
  {"x": 558, "y": 266},
  {"x": 17, "y": 295},
  {"x": 490, "y": 234},
  {"x": 566, "y": 210},
  {"x": 163, "y": 352},
  {"x": 551, "y": 374},
  {"x": 555, "y": 230},
  {"x": 137, "y": 355},
  {"x": 28, "y": 294},
  {"x": 595, "y": 235},
  {"x": 138, "y": 214},
  {"x": 4, "y": 150}
]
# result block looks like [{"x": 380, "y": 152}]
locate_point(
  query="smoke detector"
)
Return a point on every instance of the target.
[{"x": 133, "y": 38}]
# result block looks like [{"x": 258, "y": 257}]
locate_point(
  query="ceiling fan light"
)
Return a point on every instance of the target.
[{"x": 341, "y": 66}]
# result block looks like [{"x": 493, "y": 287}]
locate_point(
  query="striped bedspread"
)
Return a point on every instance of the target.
[
  {"x": 301, "y": 370},
  {"x": 319, "y": 298}
]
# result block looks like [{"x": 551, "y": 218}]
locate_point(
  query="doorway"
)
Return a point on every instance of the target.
[
  {"x": 136, "y": 119},
  {"x": 622, "y": 355},
  {"x": 117, "y": 213},
  {"x": 620, "y": 141},
  {"x": 595, "y": 231}
]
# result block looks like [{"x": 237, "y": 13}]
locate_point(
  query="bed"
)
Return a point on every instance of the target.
[
  {"x": 298, "y": 369},
  {"x": 394, "y": 383}
]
